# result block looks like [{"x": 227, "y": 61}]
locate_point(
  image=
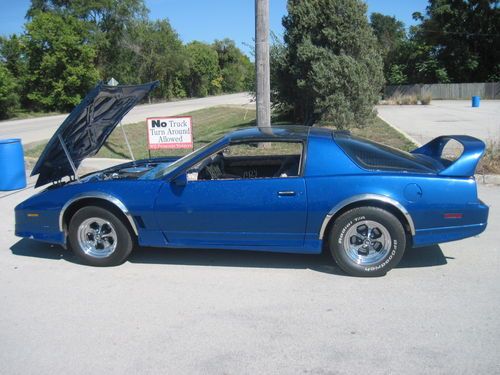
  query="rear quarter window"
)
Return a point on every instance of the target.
[{"x": 377, "y": 157}]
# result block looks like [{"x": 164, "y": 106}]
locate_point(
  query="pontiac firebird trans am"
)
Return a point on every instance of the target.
[{"x": 287, "y": 189}]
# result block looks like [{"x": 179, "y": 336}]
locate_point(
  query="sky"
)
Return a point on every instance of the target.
[{"x": 207, "y": 20}]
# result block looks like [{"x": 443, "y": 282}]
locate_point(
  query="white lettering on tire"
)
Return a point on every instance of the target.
[
  {"x": 346, "y": 227},
  {"x": 385, "y": 262}
]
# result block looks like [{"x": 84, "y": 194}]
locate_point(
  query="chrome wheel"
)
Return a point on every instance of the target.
[
  {"x": 367, "y": 242},
  {"x": 97, "y": 237}
]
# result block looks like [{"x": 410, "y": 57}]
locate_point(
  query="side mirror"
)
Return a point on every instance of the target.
[{"x": 180, "y": 180}]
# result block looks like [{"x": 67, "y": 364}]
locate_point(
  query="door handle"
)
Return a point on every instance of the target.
[{"x": 286, "y": 193}]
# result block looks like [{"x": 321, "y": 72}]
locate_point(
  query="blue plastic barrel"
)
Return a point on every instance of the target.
[
  {"x": 475, "y": 101},
  {"x": 12, "y": 172}
]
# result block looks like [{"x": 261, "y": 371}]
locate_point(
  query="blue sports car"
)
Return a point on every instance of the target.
[{"x": 287, "y": 189}]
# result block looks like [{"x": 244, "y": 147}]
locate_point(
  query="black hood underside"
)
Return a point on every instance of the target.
[{"x": 86, "y": 129}]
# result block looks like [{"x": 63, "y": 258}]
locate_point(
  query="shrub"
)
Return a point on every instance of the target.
[
  {"x": 426, "y": 98},
  {"x": 331, "y": 67},
  {"x": 408, "y": 100}
]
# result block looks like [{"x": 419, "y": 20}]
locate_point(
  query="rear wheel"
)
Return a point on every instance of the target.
[
  {"x": 367, "y": 241},
  {"x": 99, "y": 238}
]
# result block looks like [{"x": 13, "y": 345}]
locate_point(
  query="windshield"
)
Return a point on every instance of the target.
[{"x": 164, "y": 169}]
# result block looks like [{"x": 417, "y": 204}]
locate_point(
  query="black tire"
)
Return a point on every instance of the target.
[
  {"x": 354, "y": 244},
  {"x": 118, "y": 242}
]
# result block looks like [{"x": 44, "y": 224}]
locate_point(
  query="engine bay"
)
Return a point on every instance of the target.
[{"x": 128, "y": 171}]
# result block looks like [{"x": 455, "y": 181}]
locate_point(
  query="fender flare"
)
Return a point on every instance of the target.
[
  {"x": 366, "y": 197},
  {"x": 98, "y": 195}
]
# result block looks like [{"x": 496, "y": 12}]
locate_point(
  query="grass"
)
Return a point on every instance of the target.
[{"x": 380, "y": 131}]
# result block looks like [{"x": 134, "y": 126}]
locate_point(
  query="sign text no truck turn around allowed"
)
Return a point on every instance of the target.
[{"x": 170, "y": 132}]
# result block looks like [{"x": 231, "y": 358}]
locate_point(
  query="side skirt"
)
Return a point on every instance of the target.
[{"x": 156, "y": 239}]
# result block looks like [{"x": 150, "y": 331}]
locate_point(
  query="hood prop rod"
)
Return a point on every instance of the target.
[
  {"x": 69, "y": 157},
  {"x": 128, "y": 144}
]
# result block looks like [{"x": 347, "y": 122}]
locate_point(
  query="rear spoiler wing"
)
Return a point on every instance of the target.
[{"x": 465, "y": 165}]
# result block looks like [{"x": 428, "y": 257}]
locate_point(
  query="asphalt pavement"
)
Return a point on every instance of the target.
[
  {"x": 42, "y": 128},
  {"x": 425, "y": 122},
  {"x": 222, "y": 312}
]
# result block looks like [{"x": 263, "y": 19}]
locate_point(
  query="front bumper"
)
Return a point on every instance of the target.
[{"x": 39, "y": 225}]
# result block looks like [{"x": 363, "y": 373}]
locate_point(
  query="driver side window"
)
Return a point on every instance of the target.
[{"x": 246, "y": 160}]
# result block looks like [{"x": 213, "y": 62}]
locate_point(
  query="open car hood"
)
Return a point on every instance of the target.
[{"x": 86, "y": 129}]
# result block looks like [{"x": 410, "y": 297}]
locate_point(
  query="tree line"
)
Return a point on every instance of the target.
[
  {"x": 69, "y": 45},
  {"x": 333, "y": 61},
  {"x": 329, "y": 67},
  {"x": 454, "y": 41}
]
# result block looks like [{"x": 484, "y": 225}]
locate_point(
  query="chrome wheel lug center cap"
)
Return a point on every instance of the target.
[{"x": 367, "y": 242}]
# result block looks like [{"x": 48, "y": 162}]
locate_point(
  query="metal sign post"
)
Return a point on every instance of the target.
[{"x": 114, "y": 82}]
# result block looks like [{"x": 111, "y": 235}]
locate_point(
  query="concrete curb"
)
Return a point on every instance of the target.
[{"x": 404, "y": 134}]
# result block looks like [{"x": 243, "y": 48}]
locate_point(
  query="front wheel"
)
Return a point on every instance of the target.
[
  {"x": 367, "y": 241},
  {"x": 99, "y": 238}
]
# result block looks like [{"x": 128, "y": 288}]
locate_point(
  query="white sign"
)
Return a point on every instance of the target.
[{"x": 170, "y": 132}]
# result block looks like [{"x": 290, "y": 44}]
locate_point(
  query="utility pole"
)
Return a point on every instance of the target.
[{"x": 262, "y": 70}]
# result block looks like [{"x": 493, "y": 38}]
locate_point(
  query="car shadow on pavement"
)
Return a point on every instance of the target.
[
  {"x": 429, "y": 256},
  {"x": 29, "y": 248}
]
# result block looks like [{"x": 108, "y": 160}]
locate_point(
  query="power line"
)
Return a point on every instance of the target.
[{"x": 466, "y": 33}]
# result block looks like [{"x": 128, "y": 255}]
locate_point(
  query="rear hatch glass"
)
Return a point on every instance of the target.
[{"x": 375, "y": 156}]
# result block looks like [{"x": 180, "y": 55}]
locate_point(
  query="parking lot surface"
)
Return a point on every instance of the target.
[
  {"x": 425, "y": 122},
  {"x": 222, "y": 312}
]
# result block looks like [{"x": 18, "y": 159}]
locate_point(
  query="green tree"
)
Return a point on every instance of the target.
[
  {"x": 158, "y": 55},
  {"x": 407, "y": 58},
  {"x": 204, "y": 75},
  {"x": 236, "y": 69},
  {"x": 389, "y": 31},
  {"x": 414, "y": 62},
  {"x": 332, "y": 65},
  {"x": 395, "y": 75},
  {"x": 391, "y": 35},
  {"x": 108, "y": 22},
  {"x": 463, "y": 37},
  {"x": 11, "y": 52},
  {"x": 12, "y": 56},
  {"x": 60, "y": 62},
  {"x": 9, "y": 100},
  {"x": 280, "y": 76}
]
